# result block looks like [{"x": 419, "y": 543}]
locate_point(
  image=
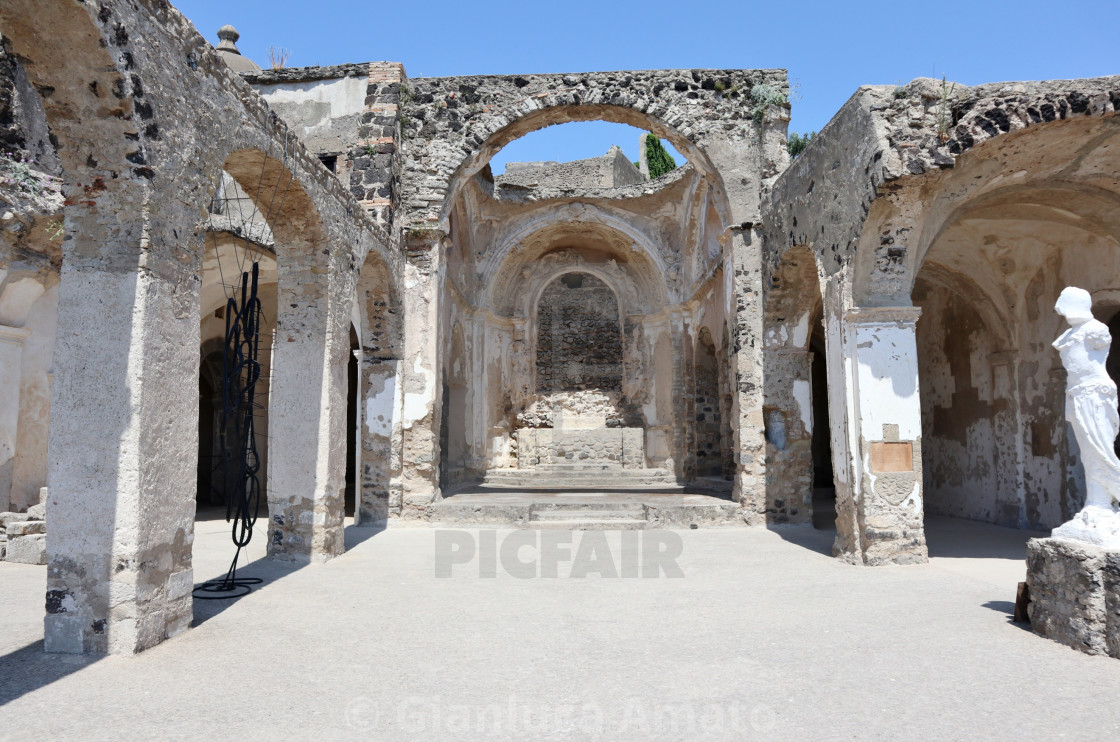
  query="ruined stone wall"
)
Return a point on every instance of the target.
[
  {"x": 579, "y": 338},
  {"x": 445, "y": 117},
  {"x": 117, "y": 79},
  {"x": 878, "y": 190},
  {"x": 707, "y": 402},
  {"x": 964, "y": 396},
  {"x": 612, "y": 170},
  {"x": 349, "y": 111}
]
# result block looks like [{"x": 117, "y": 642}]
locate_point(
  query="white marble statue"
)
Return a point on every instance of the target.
[{"x": 1091, "y": 411}]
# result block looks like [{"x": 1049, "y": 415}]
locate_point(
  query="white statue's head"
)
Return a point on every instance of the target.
[{"x": 1075, "y": 305}]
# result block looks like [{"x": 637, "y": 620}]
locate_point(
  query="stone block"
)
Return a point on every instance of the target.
[
  {"x": 27, "y": 549},
  {"x": 1075, "y": 594},
  {"x": 26, "y": 528},
  {"x": 7, "y": 518}
]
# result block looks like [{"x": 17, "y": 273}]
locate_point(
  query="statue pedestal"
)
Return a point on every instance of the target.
[{"x": 1075, "y": 594}]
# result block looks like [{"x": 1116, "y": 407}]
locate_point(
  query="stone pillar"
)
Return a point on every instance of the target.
[
  {"x": 421, "y": 374},
  {"x": 307, "y": 415},
  {"x": 744, "y": 271},
  {"x": 11, "y": 374},
  {"x": 882, "y": 521},
  {"x": 123, "y": 440},
  {"x": 788, "y": 413},
  {"x": 380, "y": 441}
]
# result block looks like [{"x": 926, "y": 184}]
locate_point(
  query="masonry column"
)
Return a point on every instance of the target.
[
  {"x": 124, "y": 427},
  {"x": 307, "y": 407},
  {"x": 744, "y": 267},
  {"x": 421, "y": 372},
  {"x": 883, "y": 523}
]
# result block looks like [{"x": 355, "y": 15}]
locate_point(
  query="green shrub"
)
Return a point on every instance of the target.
[
  {"x": 762, "y": 97},
  {"x": 659, "y": 159},
  {"x": 796, "y": 143}
]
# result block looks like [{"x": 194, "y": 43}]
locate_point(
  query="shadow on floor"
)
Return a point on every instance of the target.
[
  {"x": 1007, "y": 608},
  {"x": 29, "y": 668},
  {"x": 814, "y": 539},
  {"x": 264, "y": 569},
  {"x": 956, "y": 538}
]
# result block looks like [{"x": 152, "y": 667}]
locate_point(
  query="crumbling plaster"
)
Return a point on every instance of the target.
[
  {"x": 882, "y": 191},
  {"x": 115, "y": 80}
]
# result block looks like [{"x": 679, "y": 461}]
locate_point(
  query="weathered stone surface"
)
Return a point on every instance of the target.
[
  {"x": 1075, "y": 594},
  {"x": 26, "y": 528},
  {"x": 726, "y": 282},
  {"x": 29, "y": 549},
  {"x": 612, "y": 170}
]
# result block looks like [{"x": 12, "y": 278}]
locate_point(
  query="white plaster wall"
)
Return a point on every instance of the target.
[
  {"x": 887, "y": 380},
  {"x": 29, "y": 472},
  {"x": 314, "y": 108}
]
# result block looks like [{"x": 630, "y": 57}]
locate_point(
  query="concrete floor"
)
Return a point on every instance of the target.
[{"x": 765, "y": 637}]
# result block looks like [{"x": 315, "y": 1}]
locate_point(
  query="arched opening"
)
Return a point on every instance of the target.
[
  {"x": 995, "y": 443},
  {"x": 350, "y": 498},
  {"x": 238, "y": 236},
  {"x": 579, "y": 290},
  {"x": 556, "y": 155},
  {"x": 824, "y": 482}
]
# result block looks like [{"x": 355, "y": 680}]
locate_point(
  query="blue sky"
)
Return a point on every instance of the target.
[{"x": 829, "y": 48}]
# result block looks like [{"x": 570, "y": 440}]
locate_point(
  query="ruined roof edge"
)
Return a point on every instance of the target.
[{"x": 358, "y": 69}]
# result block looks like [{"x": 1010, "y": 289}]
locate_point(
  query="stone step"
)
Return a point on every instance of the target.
[
  {"x": 590, "y": 524},
  {"x": 582, "y": 512},
  {"x": 560, "y": 479},
  {"x": 589, "y": 515}
]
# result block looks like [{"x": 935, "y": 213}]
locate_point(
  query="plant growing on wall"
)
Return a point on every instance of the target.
[
  {"x": 762, "y": 97},
  {"x": 278, "y": 57},
  {"x": 658, "y": 158},
  {"x": 796, "y": 143},
  {"x": 944, "y": 109}
]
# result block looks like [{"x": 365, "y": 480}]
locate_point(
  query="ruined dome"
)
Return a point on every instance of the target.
[{"x": 229, "y": 52}]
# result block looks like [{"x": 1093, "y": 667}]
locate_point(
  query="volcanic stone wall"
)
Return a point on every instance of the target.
[{"x": 579, "y": 341}]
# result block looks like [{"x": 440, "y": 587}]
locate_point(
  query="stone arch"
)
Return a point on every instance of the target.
[
  {"x": 555, "y": 109},
  {"x": 77, "y": 68},
  {"x": 546, "y": 254},
  {"x": 450, "y": 128},
  {"x": 471, "y": 118},
  {"x": 1057, "y": 170},
  {"x": 1020, "y": 217},
  {"x": 541, "y": 231}
]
